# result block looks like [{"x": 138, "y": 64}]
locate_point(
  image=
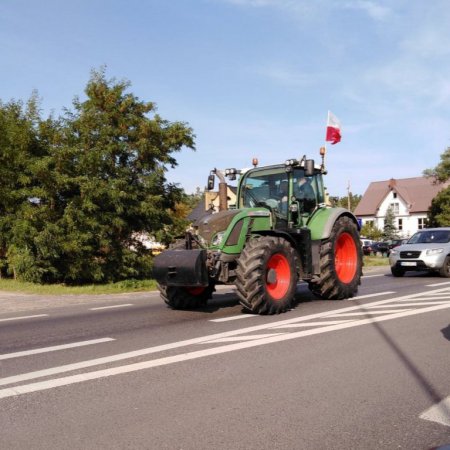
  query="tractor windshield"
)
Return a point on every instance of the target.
[{"x": 265, "y": 187}]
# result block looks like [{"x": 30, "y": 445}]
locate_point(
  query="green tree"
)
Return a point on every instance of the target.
[
  {"x": 98, "y": 180},
  {"x": 369, "y": 231},
  {"x": 20, "y": 152},
  {"x": 389, "y": 229},
  {"x": 442, "y": 171},
  {"x": 342, "y": 202},
  {"x": 439, "y": 211}
]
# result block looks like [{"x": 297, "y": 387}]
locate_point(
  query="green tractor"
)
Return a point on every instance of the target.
[{"x": 281, "y": 231}]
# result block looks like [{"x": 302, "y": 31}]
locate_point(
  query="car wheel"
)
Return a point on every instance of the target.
[
  {"x": 444, "y": 271},
  {"x": 396, "y": 272}
]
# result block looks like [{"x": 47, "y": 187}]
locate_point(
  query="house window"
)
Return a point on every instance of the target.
[
  {"x": 420, "y": 223},
  {"x": 369, "y": 223},
  {"x": 395, "y": 207},
  {"x": 400, "y": 224}
]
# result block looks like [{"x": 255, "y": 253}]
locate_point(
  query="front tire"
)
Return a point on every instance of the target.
[
  {"x": 340, "y": 262},
  {"x": 444, "y": 271},
  {"x": 266, "y": 275},
  {"x": 186, "y": 297},
  {"x": 396, "y": 272}
]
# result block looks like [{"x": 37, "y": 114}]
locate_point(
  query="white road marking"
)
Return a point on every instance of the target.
[
  {"x": 417, "y": 303},
  {"x": 311, "y": 324},
  {"x": 110, "y": 307},
  {"x": 372, "y": 295},
  {"x": 241, "y": 338},
  {"x": 54, "y": 348},
  {"x": 23, "y": 317},
  {"x": 266, "y": 326},
  {"x": 241, "y": 316},
  {"x": 65, "y": 381},
  {"x": 373, "y": 276},
  {"x": 438, "y": 284},
  {"x": 439, "y": 413},
  {"x": 371, "y": 313}
]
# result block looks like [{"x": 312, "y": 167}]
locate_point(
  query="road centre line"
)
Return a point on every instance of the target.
[
  {"x": 79, "y": 378},
  {"x": 110, "y": 307},
  {"x": 23, "y": 317},
  {"x": 199, "y": 340},
  {"x": 54, "y": 348}
]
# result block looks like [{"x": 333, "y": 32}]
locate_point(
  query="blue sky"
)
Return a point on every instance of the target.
[{"x": 253, "y": 77}]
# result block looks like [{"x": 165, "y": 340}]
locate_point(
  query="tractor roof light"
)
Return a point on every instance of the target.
[{"x": 231, "y": 173}]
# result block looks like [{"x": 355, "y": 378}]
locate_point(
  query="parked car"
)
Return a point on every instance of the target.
[
  {"x": 428, "y": 249},
  {"x": 366, "y": 245},
  {"x": 396, "y": 242},
  {"x": 380, "y": 247}
]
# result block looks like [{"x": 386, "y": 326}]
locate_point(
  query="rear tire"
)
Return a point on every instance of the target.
[
  {"x": 340, "y": 262},
  {"x": 266, "y": 275},
  {"x": 186, "y": 297}
]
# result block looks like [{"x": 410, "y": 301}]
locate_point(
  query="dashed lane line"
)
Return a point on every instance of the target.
[
  {"x": 377, "y": 294},
  {"x": 241, "y": 316},
  {"x": 54, "y": 348},
  {"x": 23, "y": 317},
  {"x": 110, "y": 307}
]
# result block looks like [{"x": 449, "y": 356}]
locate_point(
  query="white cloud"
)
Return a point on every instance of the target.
[
  {"x": 286, "y": 76},
  {"x": 373, "y": 9}
]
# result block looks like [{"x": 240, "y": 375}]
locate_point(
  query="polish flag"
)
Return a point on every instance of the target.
[{"x": 333, "y": 129}]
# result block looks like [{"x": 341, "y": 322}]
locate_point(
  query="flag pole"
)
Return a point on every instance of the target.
[{"x": 323, "y": 152}]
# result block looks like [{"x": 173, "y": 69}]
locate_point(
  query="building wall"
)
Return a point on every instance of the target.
[{"x": 407, "y": 224}]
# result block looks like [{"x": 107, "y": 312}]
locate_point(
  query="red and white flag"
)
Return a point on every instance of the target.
[{"x": 333, "y": 129}]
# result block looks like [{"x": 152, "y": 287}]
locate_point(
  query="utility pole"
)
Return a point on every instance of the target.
[{"x": 348, "y": 196}]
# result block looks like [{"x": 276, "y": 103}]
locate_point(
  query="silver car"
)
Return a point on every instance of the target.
[{"x": 428, "y": 249}]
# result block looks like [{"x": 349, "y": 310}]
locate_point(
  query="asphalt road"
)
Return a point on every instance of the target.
[{"x": 125, "y": 372}]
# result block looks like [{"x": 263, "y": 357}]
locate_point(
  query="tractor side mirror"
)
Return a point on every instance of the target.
[
  {"x": 309, "y": 168},
  {"x": 211, "y": 182}
]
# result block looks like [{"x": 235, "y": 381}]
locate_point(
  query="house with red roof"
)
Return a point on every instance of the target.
[{"x": 409, "y": 199}]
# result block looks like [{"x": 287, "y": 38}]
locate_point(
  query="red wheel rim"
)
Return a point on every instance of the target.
[
  {"x": 282, "y": 270},
  {"x": 345, "y": 258},
  {"x": 195, "y": 290}
]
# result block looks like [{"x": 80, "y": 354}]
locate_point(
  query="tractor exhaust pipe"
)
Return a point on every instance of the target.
[
  {"x": 223, "y": 188},
  {"x": 223, "y": 197}
]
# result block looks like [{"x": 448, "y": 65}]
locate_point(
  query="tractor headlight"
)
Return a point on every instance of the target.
[
  {"x": 217, "y": 239},
  {"x": 434, "y": 251}
]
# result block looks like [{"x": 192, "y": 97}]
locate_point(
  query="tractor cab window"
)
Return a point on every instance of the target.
[
  {"x": 268, "y": 188},
  {"x": 307, "y": 191}
]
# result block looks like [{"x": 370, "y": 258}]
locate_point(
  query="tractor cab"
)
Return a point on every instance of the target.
[{"x": 291, "y": 192}]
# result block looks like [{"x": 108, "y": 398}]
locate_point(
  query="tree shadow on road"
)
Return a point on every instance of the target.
[{"x": 446, "y": 332}]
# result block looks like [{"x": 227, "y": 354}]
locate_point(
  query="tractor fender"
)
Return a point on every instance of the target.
[{"x": 322, "y": 221}]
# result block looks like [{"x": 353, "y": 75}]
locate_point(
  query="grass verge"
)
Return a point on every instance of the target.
[
  {"x": 373, "y": 261},
  {"x": 61, "y": 289},
  {"x": 114, "y": 288}
]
